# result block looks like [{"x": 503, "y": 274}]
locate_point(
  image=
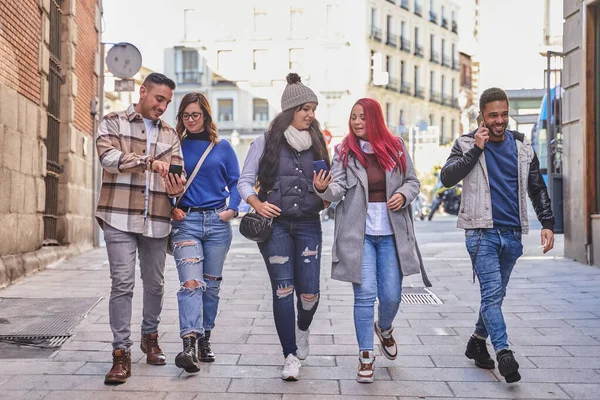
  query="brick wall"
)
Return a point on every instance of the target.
[
  {"x": 85, "y": 58},
  {"x": 20, "y": 36}
]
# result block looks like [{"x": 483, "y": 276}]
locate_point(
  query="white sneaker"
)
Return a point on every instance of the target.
[
  {"x": 291, "y": 368},
  {"x": 302, "y": 343},
  {"x": 366, "y": 367}
]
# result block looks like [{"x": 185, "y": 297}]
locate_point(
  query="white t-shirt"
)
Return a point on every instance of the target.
[{"x": 378, "y": 221}]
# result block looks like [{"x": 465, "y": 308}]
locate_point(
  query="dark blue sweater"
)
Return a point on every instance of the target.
[
  {"x": 218, "y": 176},
  {"x": 503, "y": 172}
]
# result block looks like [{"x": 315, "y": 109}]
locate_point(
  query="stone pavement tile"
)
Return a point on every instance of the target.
[
  {"x": 333, "y": 373},
  {"x": 464, "y": 362},
  {"x": 418, "y": 315},
  {"x": 582, "y": 391},
  {"x": 400, "y": 339},
  {"x": 558, "y": 375},
  {"x": 403, "y": 361},
  {"x": 502, "y": 390},
  {"x": 140, "y": 369},
  {"x": 584, "y": 322},
  {"x": 337, "y": 397},
  {"x": 551, "y": 340},
  {"x": 185, "y": 383},
  {"x": 242, "y": 348},
  {"x": 75, "y": 345},
  {"x": 457, "y": 323},
  {"x": 222, "y": 359},
  {"x": 424, "y": 331},
  {"x": 4, "y": 378},
  {"x": 524, "y": 309},
  {"x": 97, "y": 356},
  {"x": 556, "y": 315},
  {"x": 39, "y": 367},
  {"x": 55, "y": 382},
  {"x": 90, "y": 395},
  {"x": 232, "y": 396},
  {"x": 439, "y": 308},
  {"x": 538, "y": 323},
  {"x": 445, "y": 340},
  {"x": 94, "y": 336},
  {"x": 303, "y": 386},
  {"x": 24, "y": 394},
  {"x": 583, "y": 351},
  {"x": 238, "y": 371},
  {"x": 442, "y": 374},
  {"x": 220, "y": 335},
  {"x": 567, "y": 331},
  {"x": 404, "y": 388},
  {"x": 274, "y": 339},
  {"x": 512, "y": 332},
  {"x": 428, "y": 350},
  {"x": 566, "y": 362},
  {"x": 541, "y": 351}
]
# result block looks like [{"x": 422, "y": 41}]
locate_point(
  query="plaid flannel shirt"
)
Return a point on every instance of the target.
[{"x": 121, "y": 146}]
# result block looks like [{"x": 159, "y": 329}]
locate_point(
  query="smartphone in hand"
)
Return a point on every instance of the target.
[
  {"x": 320, "y": 165},
  {"x": 176, "y": 169}
]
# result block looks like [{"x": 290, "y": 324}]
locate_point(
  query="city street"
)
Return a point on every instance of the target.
[{"x": 552, "y": 313}]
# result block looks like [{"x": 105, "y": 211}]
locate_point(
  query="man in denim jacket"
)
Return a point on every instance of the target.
[{"x": 498, "y": 168}]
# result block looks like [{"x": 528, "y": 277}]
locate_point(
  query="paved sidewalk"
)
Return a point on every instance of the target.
[{"x": 552, "y": 312}]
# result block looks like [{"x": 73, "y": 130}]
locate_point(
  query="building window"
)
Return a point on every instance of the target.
[
  {"x": 431, "y": 121},
  {"x": 388, "y": 113},
  {"x": 259, "y": 60},
  {"x": 224, "y": 60},
  {"x": 260, "y": 22},
  {"x": 296, "y": 59},
  {"x": 443, "y": 87},
  {"x": 334, "y": 20},
  {"x": 260, "y": 109},
  {"x": 443, "y": 138},
  {"x": 189, "y": 73},
  {"x": 297, "y": 23},
  {"x": 453, "y": 128},
  {"x": 225, "y": 107}
]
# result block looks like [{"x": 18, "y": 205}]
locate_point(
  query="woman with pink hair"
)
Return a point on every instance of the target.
[{"x": 373, "y": 179}]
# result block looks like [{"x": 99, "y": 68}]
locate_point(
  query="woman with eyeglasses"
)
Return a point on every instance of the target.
[{"x": 201, "y": 227}]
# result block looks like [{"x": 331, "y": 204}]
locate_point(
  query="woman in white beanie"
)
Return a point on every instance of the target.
[{"x": 280, "y": 165}]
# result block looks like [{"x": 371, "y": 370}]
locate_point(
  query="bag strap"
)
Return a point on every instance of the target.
[{"x": 193, "y": 175}]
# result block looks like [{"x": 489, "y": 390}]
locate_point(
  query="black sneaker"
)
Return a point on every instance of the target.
[
  {"x": 206, "y": 354},
  {"x": 477, "y": 350},
  {"x": 508, "y": 366},
  {"x": 188, "y": 358}
]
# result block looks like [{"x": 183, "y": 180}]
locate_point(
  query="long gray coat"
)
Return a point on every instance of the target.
[{"x": 350, "y": 189}]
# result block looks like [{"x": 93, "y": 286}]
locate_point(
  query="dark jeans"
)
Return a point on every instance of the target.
[
  {"x": 494, "y": 253},
  {"x": 293, "y": 258}
]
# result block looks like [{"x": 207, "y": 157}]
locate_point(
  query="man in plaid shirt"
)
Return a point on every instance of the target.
[{"x": 135, "y": 149}]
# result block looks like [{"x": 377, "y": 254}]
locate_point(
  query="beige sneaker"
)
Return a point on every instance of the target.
[
  {"x": 388, "y": 344},
  {"x": 291, "y": 368},
  {"x": 302, "y": 343},
  {"x": 366, "y": 367}
]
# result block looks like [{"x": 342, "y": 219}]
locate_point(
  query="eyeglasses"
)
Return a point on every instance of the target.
[{"x": 195, "y": 116}]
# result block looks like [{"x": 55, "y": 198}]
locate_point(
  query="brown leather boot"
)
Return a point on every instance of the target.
[
  {"x": 121, "y": 369},
  {"x": 150, "y": 347}
]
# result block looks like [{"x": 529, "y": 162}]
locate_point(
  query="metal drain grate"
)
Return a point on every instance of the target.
[
  {"x": 24, "y": 320},
  {"x": 411, "y": 295}
]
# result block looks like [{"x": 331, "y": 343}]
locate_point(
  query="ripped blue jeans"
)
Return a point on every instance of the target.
[
  {"x": 200, "y": 245},
  {"x": 292, "y": 255}
]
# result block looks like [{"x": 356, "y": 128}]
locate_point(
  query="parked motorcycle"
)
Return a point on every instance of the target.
[
  {"x": 420, "y": 207},
  {"x": 448, "y": 198}
]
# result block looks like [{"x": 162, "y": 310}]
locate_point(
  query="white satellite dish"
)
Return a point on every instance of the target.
[{"x": 124, "y": 60}]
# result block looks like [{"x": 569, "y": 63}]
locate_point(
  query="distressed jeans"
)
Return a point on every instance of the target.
[
  {"x": 122, "y": 248},
  {"x": 200, "y": 245},
  {"x": 494, "y": 253},
  {"x": 382, "y": 279},
  {"x": 292, "y": 255}
]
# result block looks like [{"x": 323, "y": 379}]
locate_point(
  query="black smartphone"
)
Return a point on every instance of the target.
[
  {"x": 176, "y": 169},
  {"x": 319, "y": 165},
  {"x": 480, "y": 120}
]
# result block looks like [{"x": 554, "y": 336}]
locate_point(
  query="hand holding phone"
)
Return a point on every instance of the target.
[
  {"x": 483, "y": 134},
  {"x": 176, "y": 169},
  {"x": 320, "y": 165}
]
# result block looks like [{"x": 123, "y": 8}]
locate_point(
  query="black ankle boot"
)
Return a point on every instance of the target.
[
  {"x": 188, "y": 358},
  {"x": 508, "y": 366},
  {"x": 206, "y": 354},
  {"x": 477, "y": 350}
]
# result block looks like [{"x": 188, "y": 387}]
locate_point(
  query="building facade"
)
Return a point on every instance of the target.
[
  {"x": 581, "y": 129},
  {"x": 49, "y": 68},
  {"x": 340, "y": 48}
]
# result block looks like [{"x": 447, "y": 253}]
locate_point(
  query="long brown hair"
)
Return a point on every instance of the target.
[{"x": 209, "y": 125}]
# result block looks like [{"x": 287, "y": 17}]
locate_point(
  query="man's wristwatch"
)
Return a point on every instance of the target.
[
  {"x": 150, "y": 161},
  {"x": 235, "y": 213}
]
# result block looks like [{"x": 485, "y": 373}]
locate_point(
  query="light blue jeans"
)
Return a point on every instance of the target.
[
  {"x": 381, "y": 279},
  {"x": 200, "y": 245},
  {"x": 494, "y": 253}
]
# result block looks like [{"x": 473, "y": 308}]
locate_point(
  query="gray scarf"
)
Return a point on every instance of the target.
[{"x": 299, "y": 140}]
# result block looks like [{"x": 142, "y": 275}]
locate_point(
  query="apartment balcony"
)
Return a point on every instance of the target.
[
  {"x": 454, "y": 27},
  {"x": 188, "y": 77},
  {"x": 404, "y": 45},
  {"x": 446, "y": 61},
  {"x": 392, "y": 40},
  {"x": 406, "y": 88},
  {"x": 454, "y": 103},
  {"x": 435, "y": 97},
  {"x": 433, "y": 17},
  {"x": 404, "y": 4},
  {"x": 435, "y": 57},
  {"x": 445, "y": 100},
  {"x": 375, "y": 34},
  {"x": 444, "y": 23},
  {"x": 455, "y": 65},
  {"x": 420, "y": 92},
  {"x": 418, "y": 10},
  {"x": 392, "y": 85},
  {"x": 419, "y": 51},
  {"x": 391, "y": 1}
]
